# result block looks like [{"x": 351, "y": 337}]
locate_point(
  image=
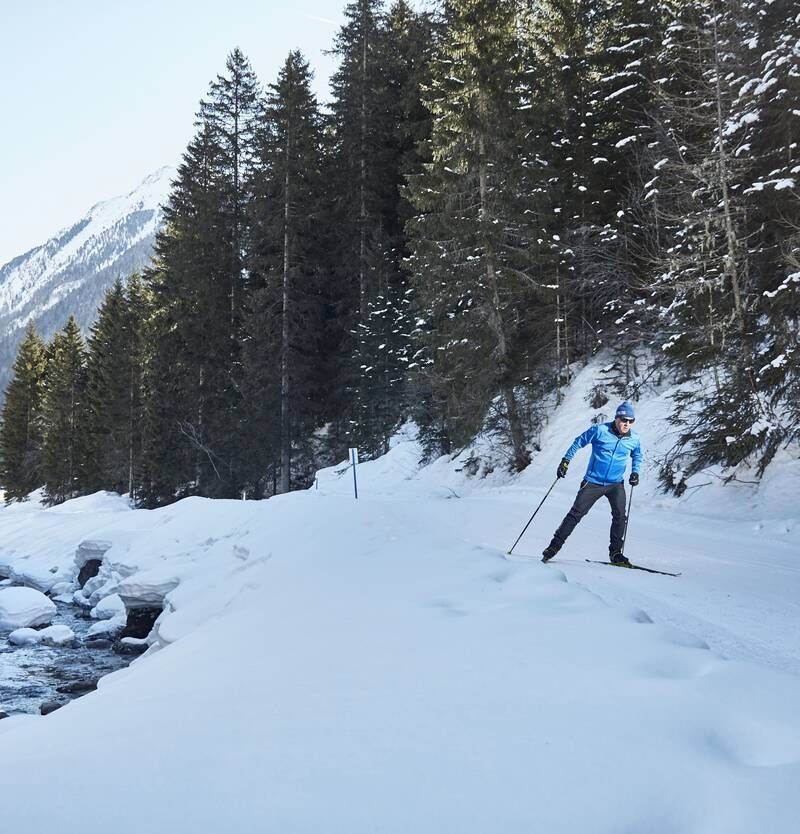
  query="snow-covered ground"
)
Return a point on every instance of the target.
[{"x": 327, "y": 664}]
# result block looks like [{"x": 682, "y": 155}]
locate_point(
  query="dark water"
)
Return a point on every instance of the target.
[{"x": 31, "y": 675}]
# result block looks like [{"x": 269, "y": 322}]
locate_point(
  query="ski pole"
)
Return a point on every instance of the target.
[
  {"x": 533, "y": 516},
  {"x": 627, "y": 516}
]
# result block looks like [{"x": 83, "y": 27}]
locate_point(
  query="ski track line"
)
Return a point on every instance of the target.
[
  {"x": 720, "y": 639},
  {"x": 724, "y": 642}
]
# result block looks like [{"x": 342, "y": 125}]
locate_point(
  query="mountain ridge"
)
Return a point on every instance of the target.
[{"x": 70, "y": 272}]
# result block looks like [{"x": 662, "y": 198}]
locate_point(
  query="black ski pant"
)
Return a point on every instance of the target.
[{"x": 584, "y": 501}]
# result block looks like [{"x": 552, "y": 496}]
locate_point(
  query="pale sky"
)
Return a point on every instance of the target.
[{"x": 97, "y": 94}]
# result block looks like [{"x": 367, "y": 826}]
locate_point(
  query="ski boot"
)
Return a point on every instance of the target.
[
  {"x": 548, "y": 553},
  {"x": 620, "y": 560}
]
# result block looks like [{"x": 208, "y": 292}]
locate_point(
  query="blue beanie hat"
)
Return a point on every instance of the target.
[{"x": 625, "y": 410}]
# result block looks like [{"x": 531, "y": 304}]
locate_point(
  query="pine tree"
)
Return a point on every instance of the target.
[
  {"x": 65, "y": 447},
  {"x": 229, "y": 116},
  {"x": 706, "y": 277},
  {"x": 601, "y": 58},
  {"x": 115, "y": 369},
  {"x": 386, "y": 335},
  {"x": 765, "y": 124},
  {"x": 623, "y": 245},
  {"x": 285, "y": 369},
  {"x": 368, "y": 156},
  {"x": 21, "y": 421},
  {"x": 189, "y": 297},
  {"x": 197, "y": 283},
  {"x": 472, "y": 257}
]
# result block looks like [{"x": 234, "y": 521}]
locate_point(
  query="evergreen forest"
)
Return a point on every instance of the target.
[{"x": 496, "y": 191}]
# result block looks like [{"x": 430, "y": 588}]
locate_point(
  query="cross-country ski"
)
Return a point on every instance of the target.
[{"x": 633, "y": 566}]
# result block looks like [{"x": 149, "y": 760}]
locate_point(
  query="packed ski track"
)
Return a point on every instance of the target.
[
  {"x": 738, "y": 593},
  {"x": 380, "y": 665}
]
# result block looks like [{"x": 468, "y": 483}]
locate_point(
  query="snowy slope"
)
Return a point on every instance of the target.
[
  {"x": 70, "y": 272},
  {"x": 326, "y": 664}
]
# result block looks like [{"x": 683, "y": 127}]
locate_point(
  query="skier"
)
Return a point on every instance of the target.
[{"x": 612, "y": 444}]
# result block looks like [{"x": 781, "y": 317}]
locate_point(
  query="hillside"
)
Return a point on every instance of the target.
[{"x": 330, "y": 664}]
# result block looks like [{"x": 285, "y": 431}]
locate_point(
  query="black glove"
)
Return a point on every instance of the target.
[
  {"x": 634, "y": 479},
  {"x": 562, "y": 468}
]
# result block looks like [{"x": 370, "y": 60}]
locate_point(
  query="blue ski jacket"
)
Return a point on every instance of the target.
[{"x": 610, "y": 452}]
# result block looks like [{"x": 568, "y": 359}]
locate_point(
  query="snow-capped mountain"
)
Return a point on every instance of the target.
[{"x": 69, "y": 274}]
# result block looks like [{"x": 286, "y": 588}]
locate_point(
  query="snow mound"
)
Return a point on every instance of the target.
[
  {"x": 55, "y": 635},
  {"x": 108, "y": 628},
  {"x": 106, "y": 502},
  {"x": 24, "y": 637},
  {"x": 108, "y": 607},
  {"x": 24, "y": 607}
]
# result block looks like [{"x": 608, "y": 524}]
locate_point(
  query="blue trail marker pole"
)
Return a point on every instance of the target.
[{"x": 353, "y": 462}]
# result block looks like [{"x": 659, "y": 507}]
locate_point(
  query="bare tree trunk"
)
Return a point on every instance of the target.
[
  {"x": 235, "y": 274},
  {"x": 236, "y": 280},
  {"x": 730, "y": 262},
  {"x": 566, "y": 333},
  {"x": 286, "y": 441},
  {"x": 71, "y": 448},
  {"x": 362, "y": 214},
  {"x": 200, "y": 407},
  {"x": 558, "y": 346},
  {"x": 363, "y": 307}
]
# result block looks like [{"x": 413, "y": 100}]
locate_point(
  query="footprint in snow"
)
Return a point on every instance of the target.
[{"x": 448, "y": 608}]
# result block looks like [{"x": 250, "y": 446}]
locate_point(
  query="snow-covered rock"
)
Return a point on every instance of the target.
[
  {"x": 24, "y": 637},
  {"x": 108, "y": 628},
  {"x": 24, "y": 607},
  {"x": 57, "y": 635},
  {"x": 108, "y": 607}
]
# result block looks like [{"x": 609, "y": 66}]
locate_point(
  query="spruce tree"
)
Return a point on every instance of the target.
[
  {"x": 66, "y": 447},
  {"x": 197, "y": 282},
  {"x": 368, "y": 157},
  {"x": 285, "y": 369},
  {"x": 472, "y": 257},
  {"x": 386, "y": 335},
  {"x": 765, "y": 128},
  {"x": 114, "y": 373},
  {"x": 230, "y": 115},
  {"x": 189, "y": 335},
  {"x": 706, "y": 278},
  {"x": 21, "y": 421},
  {"x": 601, "y": 59}
]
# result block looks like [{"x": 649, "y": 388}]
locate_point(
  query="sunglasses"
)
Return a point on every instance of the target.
[{"x": 626, "y": 419}]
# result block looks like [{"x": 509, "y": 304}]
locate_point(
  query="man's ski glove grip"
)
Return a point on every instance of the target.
[
  {"x": 562, "y": 468},
  {"x": 634, "y": 479}
]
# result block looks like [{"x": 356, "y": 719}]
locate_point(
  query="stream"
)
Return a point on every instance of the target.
[{"x": 33, "y": 675}]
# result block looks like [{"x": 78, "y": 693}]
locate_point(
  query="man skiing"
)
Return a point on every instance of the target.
[{"x": 612, "y": 444}]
